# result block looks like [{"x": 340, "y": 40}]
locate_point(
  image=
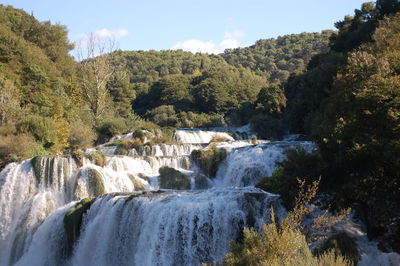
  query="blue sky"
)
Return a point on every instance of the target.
[{"x": 194, "y": 25}]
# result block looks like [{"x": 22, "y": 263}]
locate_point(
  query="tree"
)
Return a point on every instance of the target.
[
  {"x": 96, "y": 70},
  {"x": 9, "y": 101}
]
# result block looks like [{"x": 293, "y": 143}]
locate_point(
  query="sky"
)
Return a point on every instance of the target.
[{"x": 207, "y": 26}]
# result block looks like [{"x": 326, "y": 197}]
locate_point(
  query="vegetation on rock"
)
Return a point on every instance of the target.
[
  {"x": 173, "y": 179},
  {"x": 73, "y": 220},
  {"x": 208, "y": 160}
]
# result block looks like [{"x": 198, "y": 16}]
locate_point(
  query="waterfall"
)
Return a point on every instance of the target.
[
  {"x": 162, "y": 229},
  {"x": 128, "y": 220},
  {"x": 247, "y": 165},
  {"x": 199, "y": 136}
]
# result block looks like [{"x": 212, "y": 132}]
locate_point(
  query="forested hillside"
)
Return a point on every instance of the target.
[
  {"x": 52, "y": 103},
  {"x": 348, "y": 102},
  {"x": 275, "y": 59}
]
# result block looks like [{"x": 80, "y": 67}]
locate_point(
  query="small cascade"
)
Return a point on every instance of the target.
[
  {"x": 164, "y": 150},
  {"x": 247, "y": 165},
  {"x": 200, "y": 136},
  {"x": 29, "y": 192}
]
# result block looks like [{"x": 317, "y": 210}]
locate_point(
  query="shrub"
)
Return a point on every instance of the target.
[
  {"x": 283, "y": 243},
  {"x": 283, "y": 181},
  {"x": 209, "y": 160},
  {"x": 121, "y": 150},
  {"x": 342, "y": 245},
  {"x": 79, "y": 157},
  {"x": 173, "y": 179},
  {"x": 111, "y": 128},
  {"x": 278, "y": 246},
  {"x": 139, "y": 134},
  {"x": 125, "y": 145},
  {"x": 164, "y": 135},
  {"x": 43, "y": 129},
  {"x": 81, "y": 135},
  {"x": 19, "y": 147},
  {"x": 219, "y": 138},
  {"x": 97, "y": 158},
  {"x": 163, "y": 115}
]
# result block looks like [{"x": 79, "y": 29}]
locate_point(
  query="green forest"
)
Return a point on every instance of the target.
[{"x": 340, "y": 89}]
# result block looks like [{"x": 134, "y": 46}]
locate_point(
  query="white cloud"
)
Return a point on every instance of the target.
[
  {"x": 211, "y": 47},
  {"x": 234, "y": 34},
  {"x": 195, "y": 46},
  {"x": 116, "y": 33},
  {"x": 106, "y": 33},
  {"x": 229, "y": 43}
]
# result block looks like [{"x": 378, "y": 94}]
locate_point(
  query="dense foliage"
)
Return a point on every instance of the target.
[
  {"x": 277, "y": 58},
  {"x": 348, "y": 102}
]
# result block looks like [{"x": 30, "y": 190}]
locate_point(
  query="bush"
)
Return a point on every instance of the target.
[
  {"x": 284, "y": 243},
  {"x": 111, "y": 128},
  {"x": 43, "y": 129},
  {"x": 284, "y": 179},
  {"x": 209, "y": 160},
  {"x": 79, "y": 157},
  {"x": 81, "y": 135},
  {"x": 278, "y": 246},
  {"x": 125, "y": 145},
  {"x": 341, "y": 244},
  {"x": 267, "y": 127},
  {"x": 173, "y": 179},
  {"x": 139, "y": 134},
  {"x": 163, "y": 115},
  {"x": 97, "y": 158},
  {"x": 218, "y": 138},
  {"x": 164, "y": 135},
  {"x": 19, "y": 147}
]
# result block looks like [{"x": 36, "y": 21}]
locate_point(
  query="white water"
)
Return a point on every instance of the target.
[
  {"x": 199, "y": 136},
  {"x": 170, "y": 228},
  {"x": 247, "y": 165}
]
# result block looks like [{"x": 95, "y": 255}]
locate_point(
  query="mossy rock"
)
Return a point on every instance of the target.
[
  {"x": 342, "y": 244},
  {"x": 121, "y": 150},
  {"x": 138, "y": 186},
  {"x": 97, "y": 158},
  {"x": 201, "y": 182},
  {"x": 209, "y": 160},
  {"x": 173, "y": 179},
  {"x": 73, "y": 220},
  {"x": 95, "y": 182}
]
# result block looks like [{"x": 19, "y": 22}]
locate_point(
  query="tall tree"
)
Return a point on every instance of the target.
[{"x": 96, "y": 70}]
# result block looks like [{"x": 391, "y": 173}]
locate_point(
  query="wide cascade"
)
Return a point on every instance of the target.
[{"x": 64, "y": 210}]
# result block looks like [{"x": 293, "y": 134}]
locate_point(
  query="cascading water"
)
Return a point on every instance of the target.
[{"x": 124, "y": 227}]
